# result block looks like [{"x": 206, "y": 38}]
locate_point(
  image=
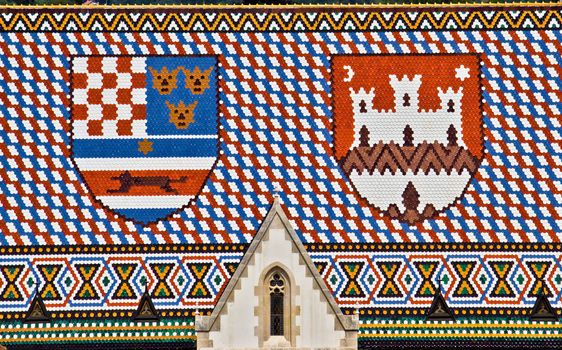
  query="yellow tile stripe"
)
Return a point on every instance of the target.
[
  {"x": 199, "y": 20},
  {"x": 463, "y": 326},
  {"x": 462, "y": 335},
  {"x": 100, "y": 338},
  {"x": 436, "y": 5},
  {"x": 135, "y": 328}
]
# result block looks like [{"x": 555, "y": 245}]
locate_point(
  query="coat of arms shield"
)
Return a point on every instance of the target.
[
  {"x": 144, "y": 130},
  {"x": 407, "y": 129}
]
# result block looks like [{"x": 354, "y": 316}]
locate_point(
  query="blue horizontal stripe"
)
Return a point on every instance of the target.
[
  {"x": 129, "y": 148},
  {"x": 144, "y": 215}
]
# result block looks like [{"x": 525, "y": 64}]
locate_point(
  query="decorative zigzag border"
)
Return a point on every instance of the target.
[
  {"x": 382, "y": 280},
  {"x": 278, "y": 19}
]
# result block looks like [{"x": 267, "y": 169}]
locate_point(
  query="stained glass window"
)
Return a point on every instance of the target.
[{"x": 276, "y": 294}]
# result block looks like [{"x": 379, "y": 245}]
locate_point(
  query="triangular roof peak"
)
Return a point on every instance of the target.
[
  {"x": 439, "y": 310},
  {"x": 542, "y": 310},
  {"x": 275, "y": 214},
  {"x": 146, "y": 310},
  {"x": 37, "y": 311}
]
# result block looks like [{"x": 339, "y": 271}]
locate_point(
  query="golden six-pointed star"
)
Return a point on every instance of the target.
[{"x": 145, "y": 146}]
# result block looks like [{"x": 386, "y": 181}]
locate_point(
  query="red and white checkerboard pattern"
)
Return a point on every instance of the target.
[{"x": 109, "y": 96}]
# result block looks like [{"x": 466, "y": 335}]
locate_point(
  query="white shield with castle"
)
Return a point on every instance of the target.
[{"x": 407, "y": 130}]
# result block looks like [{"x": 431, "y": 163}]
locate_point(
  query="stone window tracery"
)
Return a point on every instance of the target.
[{"x": 276, "y": 298}]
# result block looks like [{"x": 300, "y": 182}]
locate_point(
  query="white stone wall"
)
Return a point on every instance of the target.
[{"x": 238, "y": 326}]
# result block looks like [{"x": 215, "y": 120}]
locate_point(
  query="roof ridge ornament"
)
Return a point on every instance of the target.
[
  {"x": 37, "y": 311},
  {"x": 146, "y": 310},
  {"x": 542, "y": 310},
  {"x": 439, "y": 310}
]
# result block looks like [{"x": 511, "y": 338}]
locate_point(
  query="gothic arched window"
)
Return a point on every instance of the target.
[
  {"x": 276, "y": 310},
  {"x": 276, "y": 307}
]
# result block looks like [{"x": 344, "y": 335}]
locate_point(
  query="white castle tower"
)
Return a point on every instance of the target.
[
  {"x": 387, "y": 188},
  {"x": 388, "y": 125},
  {"x": 406, "y": 98}
]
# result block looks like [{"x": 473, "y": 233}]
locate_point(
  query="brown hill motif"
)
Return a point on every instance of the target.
[
  {"x": 391, "y": 158},
  {"x": 424, "y": 157}
]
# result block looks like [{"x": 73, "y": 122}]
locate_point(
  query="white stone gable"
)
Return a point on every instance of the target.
[{"x": 240, "y": 317}]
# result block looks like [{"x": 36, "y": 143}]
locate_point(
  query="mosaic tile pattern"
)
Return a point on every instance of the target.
[
  {"x": 275, "y": 133},
  {"x": 276, "y": 116},
  {"x": 144, "y": 131},
  {"x": 465, "y": 332},
  {"x": 67, "y": 334},
  {"x": 317, "y": 19},
  {"x": 83, "y": 282},
  {"x": 408, "y": 135},
  {"x": 379, "y": 280},
  {"x": 467, "y": 279}
]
